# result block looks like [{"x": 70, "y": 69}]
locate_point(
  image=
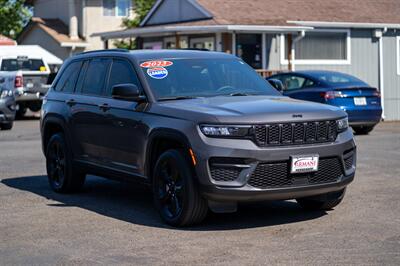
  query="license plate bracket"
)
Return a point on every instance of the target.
[{"x": 304, "y": 163}]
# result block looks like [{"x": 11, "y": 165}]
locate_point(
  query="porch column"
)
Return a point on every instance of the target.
[
  {"x": 264, "y": 51},
  {"x": 233, "y": 43},
  {"x": 218, "y": 42},
  {"x": 177, "y": 41}
]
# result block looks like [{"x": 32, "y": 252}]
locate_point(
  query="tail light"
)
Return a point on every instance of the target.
[
  {"x": 377, "y": 93},
  {"x": 329, "y": 95},
  {"x": 19, "y": 82}
]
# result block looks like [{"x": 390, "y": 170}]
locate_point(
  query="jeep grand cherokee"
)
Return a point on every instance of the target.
[{"x": 203, "y": 129}]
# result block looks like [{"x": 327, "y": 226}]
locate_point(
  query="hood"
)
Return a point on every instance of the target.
[{"x": 247, "y": 109}]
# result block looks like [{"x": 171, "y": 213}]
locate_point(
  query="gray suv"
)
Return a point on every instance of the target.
[{"x": 202, "y": 129}]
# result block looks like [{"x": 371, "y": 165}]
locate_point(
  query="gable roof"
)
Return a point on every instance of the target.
[
  {"x": 274, "y": 12},
  {"x": 55, "y": 28}
]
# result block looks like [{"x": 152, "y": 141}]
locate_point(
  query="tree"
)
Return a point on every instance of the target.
[
  {"x": 142, "y": 7},
  {"x": 14, "y": 14}
]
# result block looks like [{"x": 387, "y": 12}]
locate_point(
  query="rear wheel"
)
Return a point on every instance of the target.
[
  {"x": 176, "y": 197},
  {"x": 21, "y": 111},
  {"x": 322, "y": 202},
  {"x": 363, "y": 130},
  {"x": 35, "y": 106},
  {"x": 63, "y": 177},
  {"x": 7, "y": 126}
]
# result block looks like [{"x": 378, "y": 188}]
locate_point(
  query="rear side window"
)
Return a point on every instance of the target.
[
  {"x": 122, "y": 73},
  {"x": 23, "y": 63},
  {"x": 95, "y": 77},
  {"x": 68, "y": 78}
]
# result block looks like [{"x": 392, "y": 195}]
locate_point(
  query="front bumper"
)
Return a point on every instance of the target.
[{"x": 241, "y": 189}]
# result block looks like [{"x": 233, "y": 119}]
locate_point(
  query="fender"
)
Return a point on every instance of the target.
[
  {"x": 168, "y": 133},
  {"x": 54, "y": 119}
]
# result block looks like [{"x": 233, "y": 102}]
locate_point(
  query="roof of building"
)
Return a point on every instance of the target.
[
  {"x": 6, "y": 41},
  {"x": 273, "y": 12},
  {"x": 55, "y": 28}
]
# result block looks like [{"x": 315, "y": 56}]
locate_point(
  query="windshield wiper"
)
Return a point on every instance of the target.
[{"x": 177, "y": 98}]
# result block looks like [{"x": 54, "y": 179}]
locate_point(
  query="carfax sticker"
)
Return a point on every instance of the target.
[
  {"x": 156, "y": 63},
  {"x": 157, "y": 72}
]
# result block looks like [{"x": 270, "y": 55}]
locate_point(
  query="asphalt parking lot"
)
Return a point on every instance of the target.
[{"x": 114, "y": 223}]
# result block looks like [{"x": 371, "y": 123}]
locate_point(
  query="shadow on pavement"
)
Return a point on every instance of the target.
[{"x": 133, "y": 203}]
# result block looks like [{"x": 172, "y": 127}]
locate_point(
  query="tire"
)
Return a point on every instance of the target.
[
  {"x": 364, "y": 130},
  {"x": 35, "y": 106},
  {"x": 63, "y": 177},
  {"x": 21, "y": 111},
  {"x": 7, "y": 126},
  {"x": 175, "y": 194},
  {"x": 322, "y": 202}
]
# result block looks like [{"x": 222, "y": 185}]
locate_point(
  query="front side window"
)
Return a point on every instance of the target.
[
  {"x": 118, "y": 8},
  {"x": 95, "y": 77},
  {"x": 69, "y": 76},
  {"x": 204, "y": 78},
  {"x": 122, "y": 73},
  {"x": 319, "y": 48},
  {"x": 24, "y": 64}
]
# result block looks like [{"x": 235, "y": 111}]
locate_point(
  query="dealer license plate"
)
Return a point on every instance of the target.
[
  {"x": 304, "y": 164},
  {"x": 360, "y": 101}
]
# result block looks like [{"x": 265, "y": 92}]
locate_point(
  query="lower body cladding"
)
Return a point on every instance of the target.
[{"x": 231, "y": 171}]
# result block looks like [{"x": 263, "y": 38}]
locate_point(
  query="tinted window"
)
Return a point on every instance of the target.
[
  {"x": 206, "y": 78},
  {"x": 67, "y": 81},
  {"x": 95, "y": 76},
  {"x": 22, "y": 64},
  {"x": 122, "y": 73},
  {"x": 334, "y": 78}
]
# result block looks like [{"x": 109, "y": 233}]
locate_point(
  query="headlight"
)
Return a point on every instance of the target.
[
  {"x": 342, "y": 124},
  {"x": 6, "y": 93},
  {"x": 225, "y": 131}
]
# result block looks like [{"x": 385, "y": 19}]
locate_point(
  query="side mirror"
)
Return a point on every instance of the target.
[
  {"x": 128, "y": 92},
  {"x": 277, "y": 84}
]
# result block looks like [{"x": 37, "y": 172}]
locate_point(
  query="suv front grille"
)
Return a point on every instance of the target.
[
  {"x": 295, "y": 133},
  {"x": 274, "y": 175}
]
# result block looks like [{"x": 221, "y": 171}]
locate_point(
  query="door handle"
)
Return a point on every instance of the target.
[
  {"x": 70, "y": 102},
  {"x": 104, "y": 107}
]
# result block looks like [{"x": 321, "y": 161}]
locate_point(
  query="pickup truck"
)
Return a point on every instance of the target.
[{"x": 28, "y": 77}]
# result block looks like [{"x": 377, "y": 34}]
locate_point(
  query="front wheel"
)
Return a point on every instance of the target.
[
  {"x": 176, "y": 197},
  {"x": 322, "y": 202},
  {"x": 63, "y": 177},
  {"x": 363, "y": 130},
  {"x": 7, "y": 126}
]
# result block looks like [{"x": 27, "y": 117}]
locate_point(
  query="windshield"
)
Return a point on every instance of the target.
[
  {"x": 204, "y": 78},
  {"x": 22, "y": 64},
  {"x": 338, "y": 78}
]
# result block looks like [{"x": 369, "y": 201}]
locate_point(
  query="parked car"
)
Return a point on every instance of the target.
[
  {"x": 203, "y": 129},
  {"x": 7, "y": 105},
  {"x": 361, "y": 101},
  {"x": 30, "y": 80}
]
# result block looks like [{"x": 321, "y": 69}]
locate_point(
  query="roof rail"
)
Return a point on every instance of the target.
[{"x": 106, "y": 50}]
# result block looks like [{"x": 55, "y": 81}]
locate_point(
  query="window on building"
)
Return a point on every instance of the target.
[
  {"x": 328, "y": 47},
  {"x": 118, "y": 8},
  {"x": 249, "y": 48}
]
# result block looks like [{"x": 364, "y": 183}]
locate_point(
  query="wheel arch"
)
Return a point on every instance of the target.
[
  {"x": 51, "y": 125},
  {"x": 160, "y": 140}
]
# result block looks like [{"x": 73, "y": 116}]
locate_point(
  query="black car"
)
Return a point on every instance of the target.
[
  {"x": 361, "y": 101},
  {"x": 203, "y": 129}
]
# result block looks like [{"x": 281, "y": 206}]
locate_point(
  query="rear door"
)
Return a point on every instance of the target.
[
  {"x": 124, "y": 136},
  {"x": 87, "y": 115}
]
